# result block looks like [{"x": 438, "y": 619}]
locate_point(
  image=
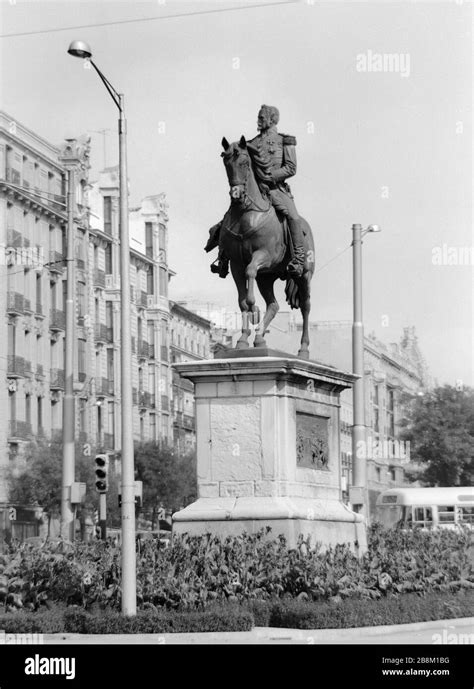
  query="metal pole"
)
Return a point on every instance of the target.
[
  {"x": 103, "y": 515},
  {"x": 67, "y": 512},
  {"x": 359, "y": 464},
  {"x": 129, "y": 598}
]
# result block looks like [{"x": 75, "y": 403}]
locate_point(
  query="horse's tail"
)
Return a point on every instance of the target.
[{"x": 292, "y": 294}]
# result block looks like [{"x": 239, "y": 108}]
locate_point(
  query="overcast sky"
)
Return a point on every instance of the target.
[{"x": 386, "y": 147}]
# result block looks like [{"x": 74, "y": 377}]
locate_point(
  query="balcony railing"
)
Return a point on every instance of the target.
[
  {"x": 104, "y": 386},
  {"x": 19, "y": 429},
  {"x": 57, "y": 378},
  {"x": 99, "y": 278},
  {"x": 188, "y": 421},
  {"x": 100, "y": 332},
  {"x": 178, "y": 418},
  {"x": 57, "y": 320},
  {"x": 143, "y": 299},
  {"x": 151, "y": 351},
  {"x": 15, "y": 302},
  {"x": 15, "y": 366},
  {"x": 146, "y": 399},
  {"x": 142, "y": 348},
  {"x": 57, "y": 261}
]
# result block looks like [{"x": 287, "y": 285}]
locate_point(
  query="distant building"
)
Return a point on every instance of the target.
[
  {"x": 190, "y": 341},
  {"x": 149, "y": 277}
]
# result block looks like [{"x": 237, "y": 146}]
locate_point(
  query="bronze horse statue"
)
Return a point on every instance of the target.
[{"x": 257, "y": 243}]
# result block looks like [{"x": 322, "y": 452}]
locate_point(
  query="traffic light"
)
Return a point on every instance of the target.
[{"x": 101, "y": 471}]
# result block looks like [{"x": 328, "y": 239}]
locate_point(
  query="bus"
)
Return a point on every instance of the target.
[{"x": 426, "y": 507}]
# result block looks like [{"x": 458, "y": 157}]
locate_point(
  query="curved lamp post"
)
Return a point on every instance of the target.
[
  {"x": 359, "y": 440},
  {"x": 129, "y": 604}
]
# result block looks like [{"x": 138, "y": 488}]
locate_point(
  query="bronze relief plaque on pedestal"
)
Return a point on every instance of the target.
[{"x": 312, "y": 449}]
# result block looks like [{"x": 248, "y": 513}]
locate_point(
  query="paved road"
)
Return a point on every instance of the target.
[{"x": 444, "y": 631}]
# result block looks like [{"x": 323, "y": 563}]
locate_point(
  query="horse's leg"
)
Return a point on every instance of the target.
[
  {"x": 259, "y": 258},
  {"x": 238, "y": 273},
  {"x": 304, "y": 283},
  {"x": 265, "y": 282}
]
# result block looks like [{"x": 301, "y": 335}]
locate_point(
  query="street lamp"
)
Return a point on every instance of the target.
[
  {"x": 358, "y": 492},
  {"x": 129, "y": 598}
]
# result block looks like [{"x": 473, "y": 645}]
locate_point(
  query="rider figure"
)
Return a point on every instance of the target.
[{"x": 274, "y": 160}]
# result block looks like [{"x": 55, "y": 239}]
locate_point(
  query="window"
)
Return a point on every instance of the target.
[
  {"x": 149, "y": 239},
  {"x": 81, "y": 359},
  {"x": 422, "y": 516},
  {"x": 151, "y": 338},
  {"x": 152, "y": 426},
  {"x": 81, "y": 299},
  {"x": 108, "y": 215},
  {"x": 11, "y": 339},
  {"x": 378, "y": 473},
  {"x": 109, "y": 320},
  {"x": 28, "y": 409},
  {"x": 39, "y": 308},
  {"x": 392, "y": 473},
  {"x": 110, "y": 367},
  {"x": 108, "y": 259},
  {"x": 39, "y": 412},
  {"x": 163, "y": 282},
  {"x": 466, "y": 515},
  {"x": 82, "y": 414},
  {"x": 150, "y": 286},
  {"x": 12, "y": 400},
  {"x": 446, "y": 514},
  {"x": 110, "y": 417},
  {"x": 162, "y": 241},
  {"x": 140, "y": 380},
  {"x": 142, "y": 428},
  {"x": 391, "y": 412}
]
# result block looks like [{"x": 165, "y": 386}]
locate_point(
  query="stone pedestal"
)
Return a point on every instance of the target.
[{"x": 268, "y": 450}]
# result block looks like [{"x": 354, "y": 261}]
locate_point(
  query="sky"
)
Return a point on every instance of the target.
[{"x": 390, "y": 146}]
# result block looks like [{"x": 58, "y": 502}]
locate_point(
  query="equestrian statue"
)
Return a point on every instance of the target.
[{"x": 262, "y": 235}]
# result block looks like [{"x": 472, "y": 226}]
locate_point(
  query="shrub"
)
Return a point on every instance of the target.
[{"x": 196, "y": 572}]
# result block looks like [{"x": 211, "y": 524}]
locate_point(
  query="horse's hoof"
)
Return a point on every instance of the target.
[
  {"x": 259, "y": 342},
  {"x": 242, "y": 345},
  {"x": 303, "y": 354}
]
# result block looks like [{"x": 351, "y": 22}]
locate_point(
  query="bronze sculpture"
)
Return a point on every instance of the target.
[{"x": 257, "y": 241}]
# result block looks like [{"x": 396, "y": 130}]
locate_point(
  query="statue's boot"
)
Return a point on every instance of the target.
[
  {"x": 296, "y": 265},
  {"x": 222, "y": 267}
]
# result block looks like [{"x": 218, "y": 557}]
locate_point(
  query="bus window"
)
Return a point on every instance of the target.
[
  {"x": 466, "y": 515},
  {"x": 446, "y": 514},
  {"x": 422, "y": 516}
]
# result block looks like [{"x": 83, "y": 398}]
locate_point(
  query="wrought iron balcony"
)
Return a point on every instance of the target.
[
  {"x": 99, "y": 278},
  {"x": 15, "y": 302},
  {"x": 145, "y": 399},
  {"x": 104, "y": 386},
  {"x": 15, "y": 366},
  {"x": 57, "y": 261},
  {"x": 57, "y": 378},
  {"x": 19, "y": 429},
  {"x": 100, "y": 332},
  {"x": 143, "y": 348},
  {"x": 188, "y": 422},
  {"x": 151, "y": 351},
  {"x": 57, "y": 320}
]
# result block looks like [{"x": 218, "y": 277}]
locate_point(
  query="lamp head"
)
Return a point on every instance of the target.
[
  {"x": 374, "y": 228},
  {"x": 80, "y": 49}
]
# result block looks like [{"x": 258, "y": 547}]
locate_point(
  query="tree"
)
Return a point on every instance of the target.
[
  {"x": 440, "y": 427},
  {"x": 39, "y": 478},
  {"x": 169, "y": 478}
]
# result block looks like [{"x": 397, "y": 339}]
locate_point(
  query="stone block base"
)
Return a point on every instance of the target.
[{"x": 328, "y": 522}]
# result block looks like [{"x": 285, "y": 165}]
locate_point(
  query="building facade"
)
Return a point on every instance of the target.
[
  {"x": 190, "y": 341},
  {"x": 33, "y": 222}
]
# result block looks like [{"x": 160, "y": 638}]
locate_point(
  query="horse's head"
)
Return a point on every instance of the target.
[{"x": 237, "y": 164}]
